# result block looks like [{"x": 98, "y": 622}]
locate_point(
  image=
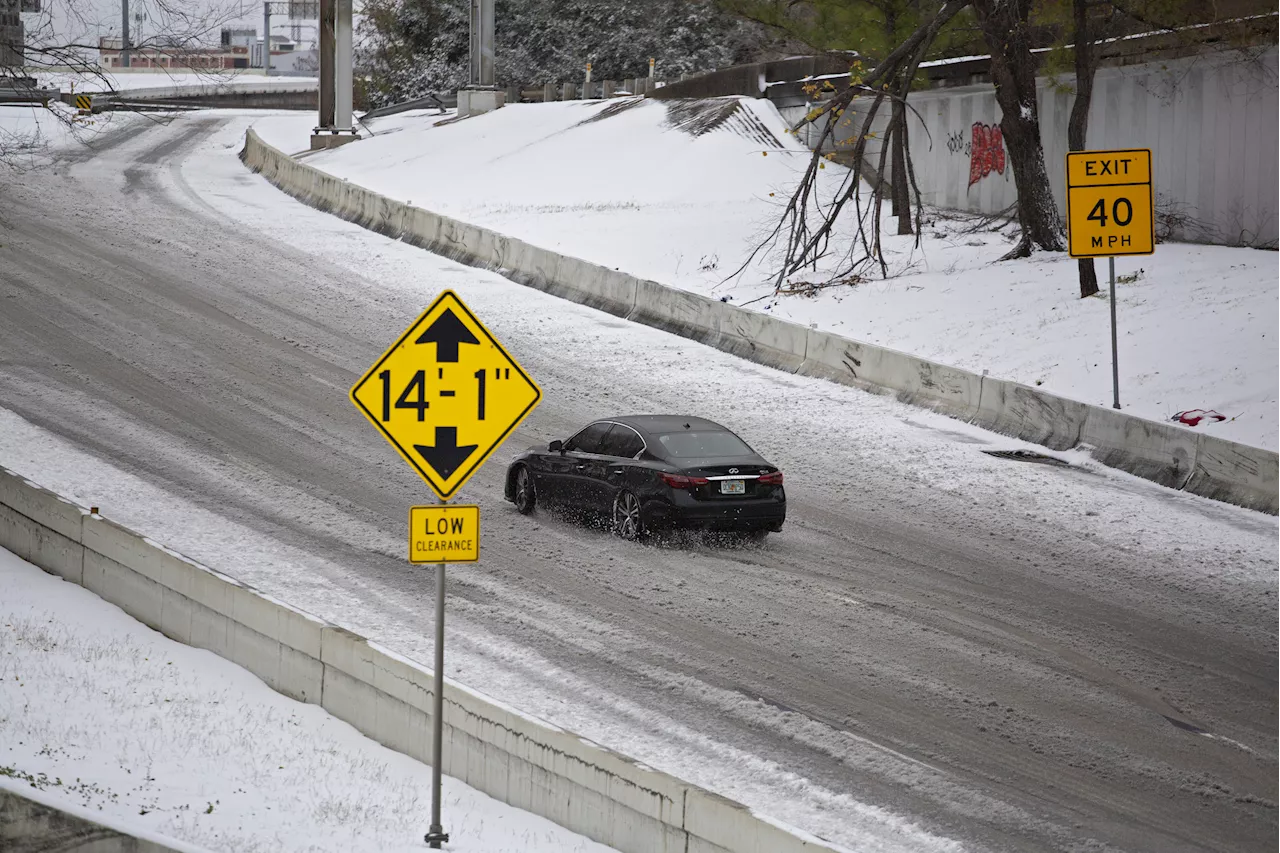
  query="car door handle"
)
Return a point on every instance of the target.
[
  {"x": 616, "y": 472},
  {"x": 582, "y": 467}
]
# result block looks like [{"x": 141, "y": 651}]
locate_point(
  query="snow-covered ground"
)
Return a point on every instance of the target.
[
  {"x": 29, "y": 133},
  {"x": 99, "y": 711},
  {"x": 631, "y": 189}
]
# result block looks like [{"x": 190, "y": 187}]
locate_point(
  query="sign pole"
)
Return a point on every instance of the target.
[
  {"x": 437, "y": 834},
  {"x": 1115, "y": 358},
  {"x": 1110, "y": 211},
  {"x": 445, "y": 395}
]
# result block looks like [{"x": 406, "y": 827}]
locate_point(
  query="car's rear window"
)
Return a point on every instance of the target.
[{"x": 691, "y": 444}]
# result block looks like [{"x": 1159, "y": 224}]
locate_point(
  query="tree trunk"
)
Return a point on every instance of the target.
[
  {"x": 898, "y": 169},
  {"x": 898, "y": 196},
  {"x": 1078, "y": 125},
  {"x": 1013, "y": 70}
]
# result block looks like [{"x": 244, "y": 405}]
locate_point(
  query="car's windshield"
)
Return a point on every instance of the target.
[{"x": 692, "y": 444}]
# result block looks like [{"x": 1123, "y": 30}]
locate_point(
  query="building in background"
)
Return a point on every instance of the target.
[
  {"x": 239, "y": 47},
  {"x": 12, "y": 33}
]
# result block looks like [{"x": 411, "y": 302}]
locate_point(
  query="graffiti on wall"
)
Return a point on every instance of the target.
[{"x": 986, "y": 151}]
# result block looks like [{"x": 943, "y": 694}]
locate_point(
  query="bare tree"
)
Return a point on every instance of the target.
[
  {"x": 1007, "y": 31},
  {"x": 1096, "y": 25},
  {"x": 806, "y": 225},
  {"x": 807, "y": 222},
  {"x": 63, "y": 36},
  {"x": 1086, "y": 65},
  {"x": 61, "y": 43}
]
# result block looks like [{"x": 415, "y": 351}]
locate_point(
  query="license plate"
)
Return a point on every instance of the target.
[{"x": 733, "y": 487}]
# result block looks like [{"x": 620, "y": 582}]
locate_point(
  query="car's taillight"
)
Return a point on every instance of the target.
[
  {"x": 680, "y": 481},
  {"x": 774, "y": 479}
]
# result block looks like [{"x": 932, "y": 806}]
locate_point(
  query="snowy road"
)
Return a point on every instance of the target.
[{"x": 942, "y": 647}]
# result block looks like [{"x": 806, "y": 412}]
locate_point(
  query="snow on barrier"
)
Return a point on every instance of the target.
[
  {"x": 496, "y": 749},
  {"x": 1170, "y": 455}
]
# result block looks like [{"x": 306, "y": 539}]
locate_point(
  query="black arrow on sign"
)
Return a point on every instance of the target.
[
  {"x": 447, "y": 332},
  {"x": 446, "y": 457}
]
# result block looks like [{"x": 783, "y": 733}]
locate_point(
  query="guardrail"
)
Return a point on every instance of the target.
[
  {"x": 493, "y": 747},
  {"x": 441, "y": 101},
  {"x": 270, "y": 93},
  {"x": 24, "y": 95},
  {"x": 1172, "y": 456}
]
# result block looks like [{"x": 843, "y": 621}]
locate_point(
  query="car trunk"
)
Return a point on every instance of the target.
[{"x": 749, "y": 467}]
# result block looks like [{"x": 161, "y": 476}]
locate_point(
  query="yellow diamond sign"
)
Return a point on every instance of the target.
[{"x": 446, "y": 394}]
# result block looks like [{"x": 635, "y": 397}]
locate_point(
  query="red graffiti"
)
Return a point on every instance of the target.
[{"x": 986, "y": 151}]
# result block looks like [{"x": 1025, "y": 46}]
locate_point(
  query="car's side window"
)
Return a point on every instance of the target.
[
  {"x": 622, "y": 441},
  {"x": 589, "y": 439}
]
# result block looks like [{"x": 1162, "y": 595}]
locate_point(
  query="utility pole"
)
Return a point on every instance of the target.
[
  {"x": 266, "y": 39},
  {"x": 481, "y": 94},
  {"x": 482, "y": 15},
  {"x": 343, "y": 76},
  {"x": 335, "y": 126},
  {"x": 124, "y": 33},
  {"x": 325, "y": 123}
]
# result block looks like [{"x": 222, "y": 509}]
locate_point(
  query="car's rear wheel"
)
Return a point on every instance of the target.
[
  {"x": 627, "y": 523},
  {"x": 526, "y": 494}
]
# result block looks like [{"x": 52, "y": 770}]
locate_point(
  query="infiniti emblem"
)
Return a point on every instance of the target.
[{"x": 733, "y": 470}]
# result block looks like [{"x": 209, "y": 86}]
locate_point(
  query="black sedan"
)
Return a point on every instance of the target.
[{"x": 653, "y": 472}]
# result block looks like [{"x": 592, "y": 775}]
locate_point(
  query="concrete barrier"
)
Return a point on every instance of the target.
[
  {"x": 948, "y": 390},
  {"x": 1160, "y": 452},
  {"x": 1224, "y": 470},
  {"x": 1169, "y": 455},
  {"x": 1042, "y": 418},
  {"x": 31, "y": 820},
  {"x": 493, "y": 747}
]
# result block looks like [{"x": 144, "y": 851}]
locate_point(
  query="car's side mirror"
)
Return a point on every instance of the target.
[{"x": 556, "y": 446}]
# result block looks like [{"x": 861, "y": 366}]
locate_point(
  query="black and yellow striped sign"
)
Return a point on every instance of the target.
[{"x": 84, "y": 102}]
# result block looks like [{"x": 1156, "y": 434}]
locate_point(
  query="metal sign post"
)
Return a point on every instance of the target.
[
  {"x": 448, "y": 377},
  {"x": 1115, "y": 350},
  {"x": 436, "y": 834},
  {"x": 449, "y": 534},
  {"x": 1110, "y": 211}
]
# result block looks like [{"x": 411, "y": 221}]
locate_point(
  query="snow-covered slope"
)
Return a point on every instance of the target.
[
  {"x": 168, "y": 739},
  {"x": 681, "y": 192}
]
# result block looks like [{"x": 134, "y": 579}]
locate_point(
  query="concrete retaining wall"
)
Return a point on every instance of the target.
[
  {"x": 492, "y": 747},
  {"x": 1211, "y": 122},
  {"x": 1170, "y": 455},
  {"x": 35, "y": 822}
]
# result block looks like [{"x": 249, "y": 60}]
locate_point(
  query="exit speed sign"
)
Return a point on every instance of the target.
[{"x": 1110, "y": 206}]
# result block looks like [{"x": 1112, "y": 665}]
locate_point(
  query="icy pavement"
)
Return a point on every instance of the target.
[
  {"x": 624, "y": 188},
  {"x": 32, "y": 135},
  {"x": 858, "y": 676},
  {"x": 100, "y": 711}
]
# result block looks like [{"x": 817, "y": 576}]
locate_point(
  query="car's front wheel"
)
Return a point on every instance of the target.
[
  {"x": 526, "y": 494},
  {"x": 627, "y": 523}
]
